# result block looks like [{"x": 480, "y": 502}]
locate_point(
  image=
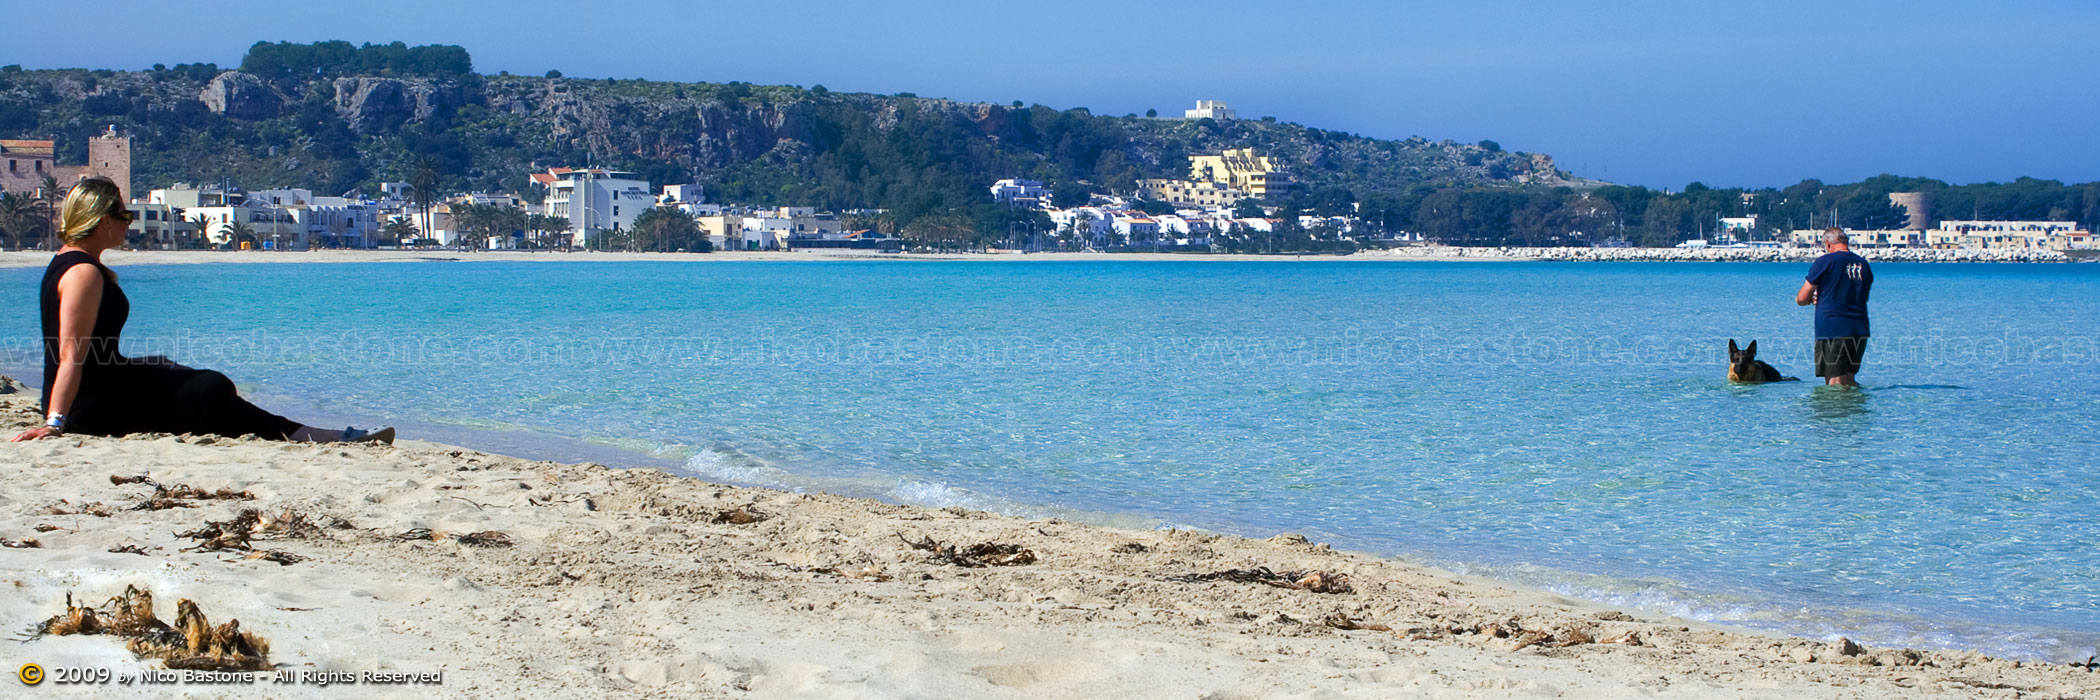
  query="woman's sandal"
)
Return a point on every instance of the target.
[{"x": 384, "y": 436}]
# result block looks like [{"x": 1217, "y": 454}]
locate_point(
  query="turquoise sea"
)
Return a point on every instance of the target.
[{"x": 1563, "y": 425}]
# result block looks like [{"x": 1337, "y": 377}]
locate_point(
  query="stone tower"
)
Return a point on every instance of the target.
[
  {"x": 109, "y": 155},
  {"x": 1918, "y": 205}
]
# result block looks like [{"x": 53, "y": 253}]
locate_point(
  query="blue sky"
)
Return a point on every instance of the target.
[{"x": 1649, "y": 93}]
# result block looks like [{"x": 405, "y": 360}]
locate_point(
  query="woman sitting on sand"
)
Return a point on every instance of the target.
[{"x": 89, "y": 387}]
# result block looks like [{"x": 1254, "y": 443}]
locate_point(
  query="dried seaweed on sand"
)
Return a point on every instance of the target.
[
  {"x": 192, "y": 643},
  {"x": 485, "y": 538},
  {"x": 218, "y": 536},
  {"x": 65, "y": 507},
  {"x": 741, "y": 515},
  {"x": 975, "y": 556},
  {"x": 1314, "y": 581},
  {"x": 181, "y": 495},
  {"x": 128, "y": 549},
  {"x": 866, "y": 573},
  {"x": 251, "y": 524},
  {"x": 24, "y": 543},
  {"x": 283, "y": 558},
  {"x": 1342, "y": 621}
]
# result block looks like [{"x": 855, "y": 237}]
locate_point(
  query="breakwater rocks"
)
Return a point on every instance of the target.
[{"x": 1711, "y": 254}]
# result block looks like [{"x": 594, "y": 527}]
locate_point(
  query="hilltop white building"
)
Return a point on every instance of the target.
[{"x": 1210, "y": 109}]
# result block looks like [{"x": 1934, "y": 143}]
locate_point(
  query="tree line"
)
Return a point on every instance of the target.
[
  {"x": 1520, "y": 216},
  {"x": 287, "y": 60}
]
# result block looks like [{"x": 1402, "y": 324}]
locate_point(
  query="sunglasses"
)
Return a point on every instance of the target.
[{"x": 126, "y": 216}]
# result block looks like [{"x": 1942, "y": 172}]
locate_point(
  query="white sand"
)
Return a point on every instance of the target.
[{"x": 619, "y": 585}]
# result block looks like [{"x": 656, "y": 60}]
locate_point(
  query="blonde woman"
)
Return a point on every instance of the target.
[{"x": 90, "y": 387}]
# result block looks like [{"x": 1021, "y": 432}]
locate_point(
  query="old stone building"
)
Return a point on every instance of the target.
[{"x": 24, "y": 163}]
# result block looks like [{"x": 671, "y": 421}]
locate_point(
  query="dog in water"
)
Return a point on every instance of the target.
[{"x": 1743, "y": 366}]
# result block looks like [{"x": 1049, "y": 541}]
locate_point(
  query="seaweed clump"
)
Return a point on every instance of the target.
[
  {"x": 976, "y": 556},
  {"x": 1313, "y": 581},
  {"x": 192, "y": 643}
]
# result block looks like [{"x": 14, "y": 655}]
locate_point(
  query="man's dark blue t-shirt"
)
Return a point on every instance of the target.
[{"x": 1842, "y": 281}]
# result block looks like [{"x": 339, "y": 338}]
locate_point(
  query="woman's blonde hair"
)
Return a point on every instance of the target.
[{"x": 89, "y": 201}]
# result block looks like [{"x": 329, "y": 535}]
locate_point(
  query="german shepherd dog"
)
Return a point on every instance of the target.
[{"x": 1743, "y": 366}]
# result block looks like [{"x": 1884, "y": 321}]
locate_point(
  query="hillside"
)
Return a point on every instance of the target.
[
  {"x": 334, "y": 117},
  {"x": 760, "y": 144}
]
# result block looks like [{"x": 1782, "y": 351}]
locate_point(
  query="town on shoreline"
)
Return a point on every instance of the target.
[{"x": 1224, "y": 205}]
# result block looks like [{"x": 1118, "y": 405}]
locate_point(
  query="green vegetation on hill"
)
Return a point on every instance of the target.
[{"x": 335, "y": 118}]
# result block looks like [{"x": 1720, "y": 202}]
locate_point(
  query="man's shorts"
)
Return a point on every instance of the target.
[{"x": 1839, "y": 356}]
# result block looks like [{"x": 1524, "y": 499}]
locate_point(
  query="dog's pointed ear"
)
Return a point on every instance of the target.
[
  {"x": 1752, "y": 350},
  {"x": 1732, "y": 349}
]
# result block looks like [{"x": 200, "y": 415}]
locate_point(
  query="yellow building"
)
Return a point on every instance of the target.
[
  {"x": 1220, "y": 180},
  {"x": 1239, "y": 169},
  {"x": 1188, "y": 194}
]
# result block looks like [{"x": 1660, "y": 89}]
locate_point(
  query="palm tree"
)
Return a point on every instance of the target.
[
  {"x": 424, "y": 179},
  {"x": 400, "y": 230},
  {"x": 18, "y": 216},
  {"x": 203, "y": 224},
  {"x": 238, "y": 231},
  {"x": 50, "y": 197},
  {"x": 558, "y": 226},
  {"x": 511, "y": 220},
  {"x": 467, "y": 220}
]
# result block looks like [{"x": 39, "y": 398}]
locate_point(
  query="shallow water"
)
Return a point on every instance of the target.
[{"x": 1566, "y": 425}]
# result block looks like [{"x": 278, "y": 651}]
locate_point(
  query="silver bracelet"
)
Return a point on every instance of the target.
[{"x": 57, "y": 421}]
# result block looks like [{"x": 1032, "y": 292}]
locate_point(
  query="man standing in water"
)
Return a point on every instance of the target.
[{"x": 1838, "y": 284}]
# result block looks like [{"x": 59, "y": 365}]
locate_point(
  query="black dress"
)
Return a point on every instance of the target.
[{"x": 119, "y": 395}]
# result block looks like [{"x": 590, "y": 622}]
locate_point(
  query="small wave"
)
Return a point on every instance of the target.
[
  {"x": 733, "y": 467},
  {"x": 1872, "y": 627},
  {"x": 717, "y": 465}
]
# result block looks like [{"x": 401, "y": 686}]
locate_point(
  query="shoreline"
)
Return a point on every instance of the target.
[
  {"x": 33, "y": 258},
  {"x": 621, "y": 581},
  {"x": 1747, "y": 611}
]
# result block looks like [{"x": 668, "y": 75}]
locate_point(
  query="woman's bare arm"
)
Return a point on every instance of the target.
[{"x": 79, "y": 299}]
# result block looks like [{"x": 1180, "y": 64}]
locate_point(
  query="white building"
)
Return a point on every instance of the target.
[
  {"x": 1088, "y": 223},
  {"x": 273, "y": 226},
  {"x": 594, "y": 199},
  {"x": 1861, "y": 238},
  {"x": 1027, "y": 194},
  {"x": 187, "y": 196},
  {"x": 338, "y": 222},
  {"x": 1210, "y": 109},
  {"x": 2054, "y": 235},
  {"x": 283, "y": 198},
  {"x": 682, "y": 195},
  {"x": 157, "y": 226},
  {"x": 1135, "y": 227},
  {"x": 765, "y": 231}
]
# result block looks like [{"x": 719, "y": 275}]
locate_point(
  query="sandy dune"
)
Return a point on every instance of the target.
[{"x": 620, "y": 583}]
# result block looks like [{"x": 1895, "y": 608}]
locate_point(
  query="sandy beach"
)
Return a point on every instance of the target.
[{"x": 518, "y": 578}]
